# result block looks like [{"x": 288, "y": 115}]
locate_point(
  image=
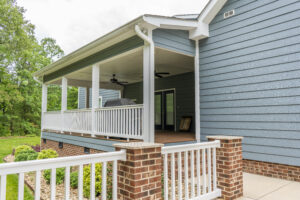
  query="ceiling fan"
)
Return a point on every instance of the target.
[
  {"x": 159, "y": 74},
  {"x": 115, "y": 80}
]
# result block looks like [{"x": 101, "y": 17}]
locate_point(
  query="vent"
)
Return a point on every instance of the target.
[{"x": 229, "y": 14}]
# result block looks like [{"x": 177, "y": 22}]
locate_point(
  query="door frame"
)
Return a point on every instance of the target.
[{"x": 175, "y": 106}]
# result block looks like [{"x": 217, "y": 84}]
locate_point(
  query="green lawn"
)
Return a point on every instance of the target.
[{"x": 6, "y": 146}]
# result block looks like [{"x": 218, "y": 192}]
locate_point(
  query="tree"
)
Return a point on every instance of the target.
[{"x": 20, "y": 56}]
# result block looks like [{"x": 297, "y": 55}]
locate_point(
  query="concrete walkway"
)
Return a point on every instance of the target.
[{"x": 258, "y": 187}]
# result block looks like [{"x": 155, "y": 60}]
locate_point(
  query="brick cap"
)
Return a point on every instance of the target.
[
  {"x": 224, "y": 137},
  {"x": 137, "y": 145}
]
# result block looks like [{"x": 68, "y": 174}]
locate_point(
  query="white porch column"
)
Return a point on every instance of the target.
[
  {"x": 64, "y": 100},
  {"x": 197, "y": 93},
  {"x": 148, "y": 91},
  {"x": 95, "y": 94},
  {"x": 44, "y": 103}
]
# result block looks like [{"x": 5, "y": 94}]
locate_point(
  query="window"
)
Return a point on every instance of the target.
[
  {"x": 44, "y": 141},
  {"x": 100, "y": 101},
  {"x": 60, "y": 145},
  {"x": 86, "y": 150}
]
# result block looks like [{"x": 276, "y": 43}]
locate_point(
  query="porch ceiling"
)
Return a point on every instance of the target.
[{"x": 129, "y": 66}]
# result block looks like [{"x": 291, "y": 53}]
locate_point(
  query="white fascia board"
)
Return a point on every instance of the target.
[
  {"x": 170, "y": 22},
  {"x": 206, "y": 16},
  {"x": 211, "y": 10}
]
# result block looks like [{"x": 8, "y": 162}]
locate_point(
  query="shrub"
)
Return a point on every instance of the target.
[
  {"x": 60, "y": 175},
  {"x": 74, "y": 180},
  {"x": 26, "y": 155},
  {"x": 21, "y": 148},
  {"x": 98, "y": 181},
  {"x": 47, "y": 153},
  {"x": 60, "y": 172}
]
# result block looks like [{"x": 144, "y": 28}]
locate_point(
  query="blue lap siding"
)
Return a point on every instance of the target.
[{"x": 250, "y": 78}]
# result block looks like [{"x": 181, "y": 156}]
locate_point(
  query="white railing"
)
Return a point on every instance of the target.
[
  {"x": 120, "y": 121},
  {"x": 52, "y": 120},
  {"x": 201, "y": 184},
  {"x": 66, "y": 162},
  {"x": 79, "y": 121}
]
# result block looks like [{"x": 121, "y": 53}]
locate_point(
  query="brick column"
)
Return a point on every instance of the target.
[
  {"x": 139, "y": 177},
  {"x": 229, "y": 166}
]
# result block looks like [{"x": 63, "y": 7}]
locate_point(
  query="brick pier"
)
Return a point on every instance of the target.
[
  {"x": 139, "y": 177},
  {"x": 229, "y": 166}
]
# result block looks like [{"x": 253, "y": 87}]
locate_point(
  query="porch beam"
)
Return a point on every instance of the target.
[
  {"x": 95, "y": 94},
  {"x": 64, "y": 99},
  {"x": 197, "y": 92}
]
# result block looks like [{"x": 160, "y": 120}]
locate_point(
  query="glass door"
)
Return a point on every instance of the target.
[{"x": 165, "y": 110}]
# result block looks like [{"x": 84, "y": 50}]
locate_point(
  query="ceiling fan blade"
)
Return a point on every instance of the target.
[
  {"x": 123, "y": 82},
  {"x": 157, "y": 75},
  {"x": 163, "y": 73}
]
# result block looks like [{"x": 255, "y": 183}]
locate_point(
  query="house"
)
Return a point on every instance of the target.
[{"x": 234, "y": 69}]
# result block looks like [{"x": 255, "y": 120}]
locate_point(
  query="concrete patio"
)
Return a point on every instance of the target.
[{"x": 258, "y": 187}]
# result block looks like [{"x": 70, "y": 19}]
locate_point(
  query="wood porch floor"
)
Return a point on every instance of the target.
[{"x": 165, "y": 137}]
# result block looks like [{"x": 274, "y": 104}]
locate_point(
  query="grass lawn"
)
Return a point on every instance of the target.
[{"x": 6, "y": 146}]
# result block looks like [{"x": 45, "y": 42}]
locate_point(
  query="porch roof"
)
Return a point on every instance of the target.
[{"x": 125, "y": 32}]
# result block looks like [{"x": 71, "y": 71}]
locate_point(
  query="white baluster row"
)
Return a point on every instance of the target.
[
  {"x": 199, "y": 157},
  {"x": 38, "y": 166}
]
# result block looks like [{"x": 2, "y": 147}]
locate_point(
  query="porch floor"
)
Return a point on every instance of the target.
[
  {"x": 258, "y": 187},
  {"x": 165, "y": 137}
]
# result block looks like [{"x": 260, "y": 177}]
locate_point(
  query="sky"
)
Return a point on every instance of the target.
[{"x": 74, "y": 23}]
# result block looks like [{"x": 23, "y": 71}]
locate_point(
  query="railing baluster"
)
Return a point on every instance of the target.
[
  {"x": 204, "y": 171},
  {"x": 37, "y": 192},
  {"x": 209, "y": 168},
  {"x": 3, "y": 187},
  {"x": 214, "y": 170},
  {"x": 53, "y": 183},
  {"x": 192, "y": 175},
  {"x": 179, "y": 163},
  {"x": 115, "y": 180},
  {"x": 67, "y": 182},
  {"x": 21, "y": 187},
  {"x": 104, "y": 169},
  {"x": 186, "y": 175},
  {"x": 173, "y": 176},
  {"x": 92, "y": 182},
  {"x": 198, "y": 174},
  {"x": 80, "y": 182},
  {"x": 166, "y": 176}
]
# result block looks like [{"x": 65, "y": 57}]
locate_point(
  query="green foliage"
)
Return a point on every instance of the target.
[
  {"x": 74, "y": 180},
  {"x": 47, "y": 153},
  {"x": 98, "y": 181},
  {"x": 22, "y": 148},
  {"x": 21, "y": 54},
  {"x": 60, "y": 175},
  {"x": 26, "y": 155}
]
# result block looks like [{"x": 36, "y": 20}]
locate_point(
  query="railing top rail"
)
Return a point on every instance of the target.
[
  {"x": 121, "y": 107},
  {"x": 79, "y": 110},
  {"x": 28, "y": 166},
  {"x": 53, "y": 112},
  {"x": 190, "y": 147}
]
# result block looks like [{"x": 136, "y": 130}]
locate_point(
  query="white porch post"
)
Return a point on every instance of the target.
[
  {"x": 148, "y": 91},
  {"x": 44, "y": 103},
  {"x": 64, "y": 100},
  {"x": 197, "y": 93},
  {"x": 95, "y": 94}
]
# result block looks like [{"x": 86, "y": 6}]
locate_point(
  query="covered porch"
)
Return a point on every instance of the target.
[{"x": 160, "y": 81}]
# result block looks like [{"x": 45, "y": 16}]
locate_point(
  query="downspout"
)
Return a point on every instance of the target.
[
  {"x": 148, "y": 125},
  {"x": 197, "y": 92}
]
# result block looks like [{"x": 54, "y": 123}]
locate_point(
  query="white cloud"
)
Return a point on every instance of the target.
[{"x": 74, "y": 23}]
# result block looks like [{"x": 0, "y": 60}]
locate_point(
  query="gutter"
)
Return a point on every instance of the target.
[{"x": 143, "y": 36}]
